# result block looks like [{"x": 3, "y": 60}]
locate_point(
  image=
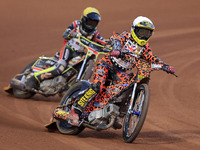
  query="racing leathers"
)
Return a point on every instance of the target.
[
  {"x": 113, "y": 66},
  {"x": 66, "y": 53}
]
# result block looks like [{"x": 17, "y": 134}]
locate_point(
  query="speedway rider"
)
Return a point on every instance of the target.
[
  {"x": 136, "y": 44},
  {"x": 87, "y": 27}
]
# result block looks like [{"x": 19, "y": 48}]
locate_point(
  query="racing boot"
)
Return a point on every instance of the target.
[
  {"x": 31, "y": 82},
  {"x": 34, "y": 80},
  {"x": 71, "y": 117},
  {"x": 61, "y": 114},
  {"x": 80, "y": 103},
  {"x": 74, "y": 117}
]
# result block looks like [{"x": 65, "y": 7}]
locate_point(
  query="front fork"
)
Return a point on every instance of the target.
[
  {"x": 82, "y": 67},
  {"x": 136, "y": 111},
  {"x": 81, "y": 70},
  {"x": 130, "y": 108}
]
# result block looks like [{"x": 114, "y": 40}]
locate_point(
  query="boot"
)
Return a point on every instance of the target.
[
  {"x": 31, "y": 82},
  {"x": 69, "y": 117},
  {"x": 79, "y": 104},
  {"x": 74, "y": 116}
]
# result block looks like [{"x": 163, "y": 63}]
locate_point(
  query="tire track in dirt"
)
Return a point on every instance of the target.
[
  {"x": 174, "y": 97},
  {"x": 185, "y": 67},
  {"x": 30, "y": 108},
  {"x": 171, "y": 97},
  {"x": 176, "y": 32}
]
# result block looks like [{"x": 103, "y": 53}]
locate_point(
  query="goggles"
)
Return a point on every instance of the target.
[
  {"x": 143, "y": 33},
  {"x": 92, "y": 22}
]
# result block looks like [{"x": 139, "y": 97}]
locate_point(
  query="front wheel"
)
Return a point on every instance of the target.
[
  {"x": 134, "y": 119},
  {"x": 64, "y": 127}
]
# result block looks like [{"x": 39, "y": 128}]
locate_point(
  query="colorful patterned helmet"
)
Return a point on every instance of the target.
[
  {"x": 141, "y": 30},
  {"x": 89, "y": 20}
]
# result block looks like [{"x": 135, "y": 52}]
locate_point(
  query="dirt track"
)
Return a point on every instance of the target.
[{"x": 33, "y": 28}]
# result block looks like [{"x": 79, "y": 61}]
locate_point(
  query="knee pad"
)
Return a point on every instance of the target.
[{"x": 59, "y": 67}]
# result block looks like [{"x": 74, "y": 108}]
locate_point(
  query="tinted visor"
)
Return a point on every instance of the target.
[
  {"x": 90, "y": 25},
  {"x": 91, "y": 22},
  {"x": 143, "y": 33}
]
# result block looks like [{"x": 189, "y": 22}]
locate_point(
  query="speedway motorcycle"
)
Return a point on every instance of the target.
[
  {"x": 79, "y": 68},
  {"x": 128, "y": 100}
]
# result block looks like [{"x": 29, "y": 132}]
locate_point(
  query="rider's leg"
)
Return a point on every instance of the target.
[
  {"x": 76, "y": 109},
  {"x": 98, "y": 85},
  {"x": 56, "y": 70},
  {"x": 53, "y": 71},
  {"x": 122, "y": 78}
]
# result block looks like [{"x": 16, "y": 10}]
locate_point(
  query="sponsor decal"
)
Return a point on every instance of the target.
[
  {"x": 86, "y": 97},
  {"x": 84, "y": 41},
  {"x": 156, "y": 66}
]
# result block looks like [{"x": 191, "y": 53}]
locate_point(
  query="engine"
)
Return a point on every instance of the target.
[
  {"x": 102, "y": 115},
  {"x": 50, "y": 86}
]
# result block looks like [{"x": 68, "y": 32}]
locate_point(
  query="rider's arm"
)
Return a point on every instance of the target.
[
  {"x": 148, "y": 55},
  {"x": 99, "y": 39},
  {"x": 69, "y": 30}
]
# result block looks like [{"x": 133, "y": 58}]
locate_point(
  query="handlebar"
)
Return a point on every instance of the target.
[
  {"x": 168, "y": 71},
  {"x": 173, "y": 74}
]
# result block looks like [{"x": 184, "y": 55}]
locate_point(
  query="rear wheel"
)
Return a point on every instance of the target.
[
  {"x": 20, "y": 93},
  {"x": 134, "y": 120},
  {"x": 64, "y": 127}
]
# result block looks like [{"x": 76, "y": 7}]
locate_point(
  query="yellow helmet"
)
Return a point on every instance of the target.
[
  {"x": 89, "y": 20},
  {"x": 141, "y": 30}
]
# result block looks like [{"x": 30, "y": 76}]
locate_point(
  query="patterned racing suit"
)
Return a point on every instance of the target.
[
  {"x": 112, "y": 68},
  {"x": 66, "y": 52},
  {"x": 109, "y": 64}
]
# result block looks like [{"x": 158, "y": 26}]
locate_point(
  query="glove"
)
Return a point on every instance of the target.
[
  {"x": 115, "y": 53},
  {"x": 75, "y": 34},
  {"x": 169, "y": 69},
  {"x": 172, "y": 69}
]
